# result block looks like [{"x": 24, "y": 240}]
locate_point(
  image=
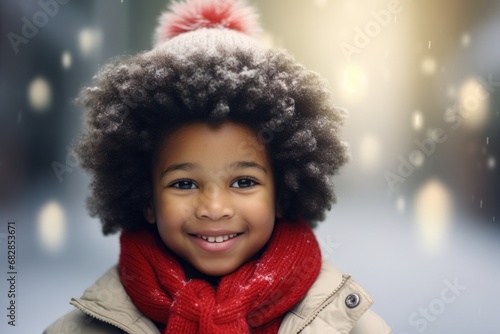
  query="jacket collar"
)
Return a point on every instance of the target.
[
  {"x": 107, "y": 301},
  {"x": 328, "y": 300}
]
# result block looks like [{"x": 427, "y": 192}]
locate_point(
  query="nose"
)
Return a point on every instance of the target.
[{"x": 214, "y": 203}]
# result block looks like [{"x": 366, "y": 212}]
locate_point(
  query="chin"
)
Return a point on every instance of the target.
[{"x": 217, "y": 270}]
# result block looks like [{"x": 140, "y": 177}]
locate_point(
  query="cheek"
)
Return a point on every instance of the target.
[
  {"x": 170, "y": 221},
  {"x": 171, "y": 212},
  {"x": 260, "y": 214},
  {"x": 263, "y": 205},
  {"x": 173, "y": 208}
]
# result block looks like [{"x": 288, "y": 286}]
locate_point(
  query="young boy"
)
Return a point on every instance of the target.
[{"x": 213, "y": 155}]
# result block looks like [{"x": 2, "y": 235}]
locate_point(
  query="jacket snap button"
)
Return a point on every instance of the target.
[{"x": 352, "y": 300}]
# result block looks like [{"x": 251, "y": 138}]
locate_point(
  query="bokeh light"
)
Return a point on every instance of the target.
[
  {"x": 89, "y": 40},
  {"x": 52, "y": 227},
  {"x": 429, "y": 66},
  {"x": 354, "y": 80},
  {"x": 321, "y": 3},
  {"x": 401, "y": 204},
  {"x": 474, "y": 104},
  {"x": 39, "y": 94},
  {"x": 417, "y": 120},
  {"x": 491, "y": 163},
  {"x": 417, "y": 158},
  {"x": 66, "y": 60},
  {"x": 369, "y": 152},
  {"x": 465, "y": 41},
  {"x": 432, "y": 209}
]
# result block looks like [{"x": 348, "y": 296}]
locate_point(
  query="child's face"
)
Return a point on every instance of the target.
[{"x": 214, "y": 196}]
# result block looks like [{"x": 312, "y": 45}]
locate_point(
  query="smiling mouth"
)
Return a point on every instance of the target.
[{"x": 217, "y": 239}]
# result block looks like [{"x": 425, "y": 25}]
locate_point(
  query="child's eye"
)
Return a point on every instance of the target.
[
  {"x": 184, "y": 185},
  {"x": 243, "y": 183}
]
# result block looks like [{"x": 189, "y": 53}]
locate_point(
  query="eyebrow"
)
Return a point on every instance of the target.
[
  {"x": 186, "y": 166},
  {"x": 246, "y": 164}
]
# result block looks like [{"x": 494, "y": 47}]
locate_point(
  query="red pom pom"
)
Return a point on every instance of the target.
[{"x": 196, "y": 14}]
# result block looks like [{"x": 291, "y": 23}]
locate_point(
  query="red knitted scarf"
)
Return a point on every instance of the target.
[{"x": 254, "y": 298}]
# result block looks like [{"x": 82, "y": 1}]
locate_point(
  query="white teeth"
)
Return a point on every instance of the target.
[{"x": 219, "y": 238}]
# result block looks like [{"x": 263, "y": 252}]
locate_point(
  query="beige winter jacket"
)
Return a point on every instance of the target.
[{"x": 335, "y": 304}]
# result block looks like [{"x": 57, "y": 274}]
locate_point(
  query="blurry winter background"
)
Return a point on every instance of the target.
[{"x": 418, "y": 215}]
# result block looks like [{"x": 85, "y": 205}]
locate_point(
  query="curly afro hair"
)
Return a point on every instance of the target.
[{"x": 139, "y": 99}]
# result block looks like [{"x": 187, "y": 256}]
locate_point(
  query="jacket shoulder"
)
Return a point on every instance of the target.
[
  {"x": 81, "y": 323},
  {"x": 335, "y": 304},
  {"x": 104, "y": 307},
  {"x": 370, "y": 323}
]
